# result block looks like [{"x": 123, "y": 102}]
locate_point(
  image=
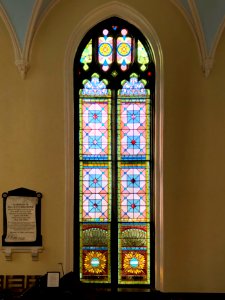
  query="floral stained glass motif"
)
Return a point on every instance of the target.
[
  {"x": 95, "y": 87},
  {"x": 105, "y": 50},
  {"x": 86, "y": 56},
  {"x": 134, "y": 87},
  {"x": 124, "y": 50},
  {"x": 95, "y": 241},
  {"x": 134, "y": 264}
]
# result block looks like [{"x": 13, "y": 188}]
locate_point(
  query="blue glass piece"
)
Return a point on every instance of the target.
[
  {"x": 133, "y": 181},
  {"x": 134, "y": 262},
  {"x": 133, "y": 117},
  {"x": 95, "y": 262},
  {"x": 95, "y": 142},
  {"x": 95, "y": 180},
  {"x": 94, "y": 116},
  {"x": 105, "y": 63},
  {"x": 133, "y": 142}
]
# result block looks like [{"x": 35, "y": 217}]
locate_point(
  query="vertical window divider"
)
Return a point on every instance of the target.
[{"x": 114, "y": 221}]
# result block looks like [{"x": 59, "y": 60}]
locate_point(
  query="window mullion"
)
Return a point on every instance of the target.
[{"x": 114, "y": 226}]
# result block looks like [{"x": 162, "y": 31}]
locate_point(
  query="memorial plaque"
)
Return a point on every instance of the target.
[{"x": 22, "y": 218}]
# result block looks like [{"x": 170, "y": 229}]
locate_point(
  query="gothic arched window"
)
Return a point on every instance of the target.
[{"x": 114, "y": 79}]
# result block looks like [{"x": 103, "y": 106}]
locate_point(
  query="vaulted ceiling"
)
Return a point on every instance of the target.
[{"x": 205, "y": 17}]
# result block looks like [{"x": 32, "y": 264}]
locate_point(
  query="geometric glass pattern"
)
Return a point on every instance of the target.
[
  {"x": 94, "y": 120},
  {"x": 95, "y": 192},
  {"x": 134, "y": 188},
  {"x": 114, "y": 80},
  {"x": 133, "y": 120}
]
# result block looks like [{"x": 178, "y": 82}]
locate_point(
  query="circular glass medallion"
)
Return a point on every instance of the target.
[
  {"x": 123, "y": 49},
  {"x": 105, "y": 49}
]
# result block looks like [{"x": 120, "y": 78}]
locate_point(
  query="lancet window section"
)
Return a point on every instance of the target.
[{"x": 114, "y": 100}]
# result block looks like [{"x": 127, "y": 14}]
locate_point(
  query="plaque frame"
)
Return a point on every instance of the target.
[{"x": 23, "y": 192}]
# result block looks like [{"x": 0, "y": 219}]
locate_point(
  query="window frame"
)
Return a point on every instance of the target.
[
  {"x": 80, "y": 28},
  {"x": 121, "y": 75}
]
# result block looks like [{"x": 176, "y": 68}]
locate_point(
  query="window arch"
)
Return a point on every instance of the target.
[{"x": 114, "y": 76}]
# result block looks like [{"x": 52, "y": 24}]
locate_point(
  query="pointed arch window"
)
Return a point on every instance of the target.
[{"x": 114, "y": 76}]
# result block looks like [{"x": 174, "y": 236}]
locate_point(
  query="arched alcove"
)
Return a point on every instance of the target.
[{"x": 134, "y": 17}]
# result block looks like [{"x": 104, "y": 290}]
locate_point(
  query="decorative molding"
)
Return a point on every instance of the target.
[
  {"x": 23, "y": 67},
  {"x": 217, "y": 39},
  {"x": 193, "y": 19},
  {"x": 34, "y": 251},
  {"x": 184, "y": 12},
  {"x": 206, "y": 61},
  {"x": 22, "y": 54},
  {"x": 121, "y": 10},
  {"x": 29, "y": 36},
  {"x": 207, "y": 65},
  {"x": 13, "y": 36}
]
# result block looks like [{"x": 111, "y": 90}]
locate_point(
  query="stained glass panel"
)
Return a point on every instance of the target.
[
  {"x": 133, "y": 191},
  {"x": 134, "y": 250},
  {"x": 143, "y": 58},
  {"x": 124, "y": 50},
  {"x": 133, "y": 130},
  {"x": 134, "y": 87},
  {"x": 105, "y": 50},
  {"x": 95, "y": 120},
  {"x": 86, "y": 56},
  {"x": 95, "y": 187},
  {"x": 95, "y": 87},
  {"x": 133, "y": 120},
  {"x": 95, "y": 135},
  {"x": 95, "y": 252}
]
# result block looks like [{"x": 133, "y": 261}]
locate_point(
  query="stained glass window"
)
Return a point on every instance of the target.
[{"x": 114, "y": 104}]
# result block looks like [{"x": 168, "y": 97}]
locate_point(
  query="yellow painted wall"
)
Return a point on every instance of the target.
[{"x": 32, "y": 137}]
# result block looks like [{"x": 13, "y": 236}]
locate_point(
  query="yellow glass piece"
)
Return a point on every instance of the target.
[
  {"x": 86, "y": 56},
  {"x": 143, "y": 58}
]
